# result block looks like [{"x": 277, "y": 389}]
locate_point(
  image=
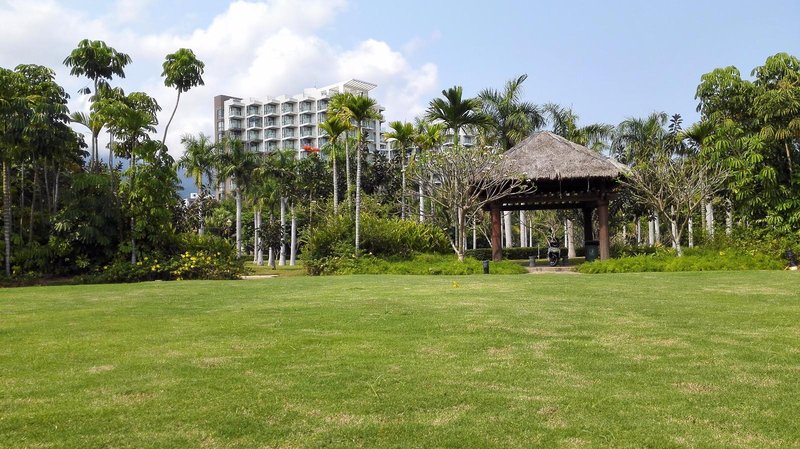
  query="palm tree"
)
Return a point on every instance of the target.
[
  {"x": 182, "y": 70},
  {"x": 236, "y": 162},
  {"x": 565, "y": 123},
  {"x": 94, "y": 123},
  {"x": 404, "y": 134},
  {"x": 510, "y": 119},
  {"x": 455, "y": 112},
  {"x": 198, "y": 161},
  {"x": 335, "y": 126},
  {"x": 98, "y": 62},
  {"x": 427, "y": 137},
  {"x": 358, "y": 108}
]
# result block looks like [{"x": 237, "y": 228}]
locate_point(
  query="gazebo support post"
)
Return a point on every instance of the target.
[
  {"x": 588, "y": 233},
  {"x": 602, "y": 216},
  {"x": 497, "y": 246}
]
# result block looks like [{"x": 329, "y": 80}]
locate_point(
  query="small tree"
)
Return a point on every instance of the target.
[
  {"x": 465, "y": 179},
  {"x": 674, "y": 187}
]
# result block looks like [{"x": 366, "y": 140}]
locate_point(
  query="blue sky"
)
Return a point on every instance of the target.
[{"x": 607, "y": 60}]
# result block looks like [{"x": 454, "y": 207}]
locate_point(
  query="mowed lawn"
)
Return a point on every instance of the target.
[{"x": 636, "y": 360}]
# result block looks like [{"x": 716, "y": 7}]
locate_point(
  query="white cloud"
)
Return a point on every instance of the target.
[
  {"x": 127, "y": 11},
  {"x": 251, "y": 49}
]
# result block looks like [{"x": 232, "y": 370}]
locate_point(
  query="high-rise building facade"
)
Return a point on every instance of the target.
[{"x": 288, "y": 122}]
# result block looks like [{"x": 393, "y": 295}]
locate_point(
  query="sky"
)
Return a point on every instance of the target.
[{"x": 608, "y": 60}]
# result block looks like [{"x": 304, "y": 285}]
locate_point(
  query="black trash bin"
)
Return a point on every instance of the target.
[{"x": 592, "y": 248}]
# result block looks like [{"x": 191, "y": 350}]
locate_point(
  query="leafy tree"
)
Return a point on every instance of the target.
[
  {"x": 182, "y": 70},
  {"x": 465, "y": 180},
  {"x": 33, "y": 113}
]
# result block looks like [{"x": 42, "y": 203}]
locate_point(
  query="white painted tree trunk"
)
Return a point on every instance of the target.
[
  {"x": 651, "y": 232},
  {"x": 570, "y": 237},
  {"x": 421, "y": 204},
  {"x": 710, "y": 218},
  {"x": 238, "y": 222},
  {"x": 282, "y": 249},
  {"x": 638, "y": 231},
  {"x": 507, "y": 227},
  {"x": 657, "y": 227},
  {"x": 673, "y": 228},
  {"x": 523, "y": 229},
  {"x": 474, "y": 237},
  {"x": 728, "y": 216},
  {"x": 259, "y": 250},
  {"x": 293, "y": 241},
  {"x": 255, "y": 236},
  {"x": 691, "y": 232}
]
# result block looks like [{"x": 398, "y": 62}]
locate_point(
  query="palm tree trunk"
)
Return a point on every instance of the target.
[
  {"x": 691, "y": 232},
  {"x": 651, "y": 232},
  {"x": 347, "y": 169},
  {"x": 335, "y": 183},
  {"x": 164, "y": 140},
  {"x": 255, "y": 235},
  {"x": 358, "y": 189},
  {"x": 638, "y": 231},
  {"x": 523, "y": 230},
  {"x": 7, "y": 214},
  {"x": 282, "y": 250},
  {"x": 403, "y": 183},
  {"x": 293, "y": 238},
  {"x": 657, "y": 227},
  {"x": 238, "y": 222},
  {"x": 259, "y": 242}
]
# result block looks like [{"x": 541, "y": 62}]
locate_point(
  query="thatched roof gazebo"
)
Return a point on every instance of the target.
[{"x": 566, "y": 176}]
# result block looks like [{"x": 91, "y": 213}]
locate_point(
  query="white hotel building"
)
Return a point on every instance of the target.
[{"x": 287, "y": 122}]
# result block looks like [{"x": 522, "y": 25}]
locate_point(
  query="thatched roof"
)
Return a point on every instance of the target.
[{"x": 544, "y": 155}]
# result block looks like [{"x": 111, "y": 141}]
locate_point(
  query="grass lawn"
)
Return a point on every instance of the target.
[{"x": 635, "y": 360}]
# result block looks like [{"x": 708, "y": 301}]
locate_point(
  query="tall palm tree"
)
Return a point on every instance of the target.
[
  {"x": 335, "y": 126},
  {"x": 358, "y": 108},
  {"x": 182, "y": 70},
  {"x": 100, "y": 63},
  {"x": 236, "y": 162},
  {"x": 198, "y": 161},
  {"x": 510, "y": 119},
  {"x": 404, "y": 133},
  {"x": 456, "y": 112}
]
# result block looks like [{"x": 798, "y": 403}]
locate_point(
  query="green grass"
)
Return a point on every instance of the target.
[{"x": 624, "y": 360}]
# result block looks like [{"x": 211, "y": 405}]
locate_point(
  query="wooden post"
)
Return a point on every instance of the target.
[
  {"x": 588, "y": 233},
  {"x": 497, "y": 246},
  {"x": 602, "y": 216}
]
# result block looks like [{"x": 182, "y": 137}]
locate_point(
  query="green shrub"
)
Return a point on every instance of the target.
[
  {"x": 437, "y": 264},
  {"x": 200, "y": 257},
  {"x": 693, "y": 260},
  {"x": 334, "y": 237}
]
